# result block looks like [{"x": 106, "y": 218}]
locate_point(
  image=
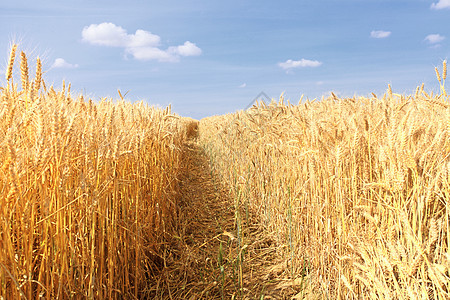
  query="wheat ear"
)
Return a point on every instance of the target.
[
  {"x": 12, "y": 56},
  {"x": 444, "y": 69},
  {"x": 38, "y": 78},
  {"x": 438, "y": 75},
  {"x": 24, "y": 70}
]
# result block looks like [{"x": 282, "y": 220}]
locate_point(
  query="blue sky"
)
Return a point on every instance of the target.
[{"x": 214, "y": 57}]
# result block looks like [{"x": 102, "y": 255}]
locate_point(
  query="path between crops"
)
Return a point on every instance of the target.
[{"x": 207, "y": 217}]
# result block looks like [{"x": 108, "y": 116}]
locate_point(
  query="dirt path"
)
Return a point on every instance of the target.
[
  {"x": 204, "y": 261},
  {"x": 206, "y": 213}
]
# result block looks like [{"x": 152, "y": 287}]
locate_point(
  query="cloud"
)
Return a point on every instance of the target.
[
  {"x": 290, "y": 64},
  {"x": 151, "y": 53},
  {"x": 434, "y": 38},
  {"x": 142, "y": 45},
  {"x": 61, "y": 63},
  {"x": 379, "y": 34},
  {"x": 243, "y": 85},
  {"x": 109, "y": 34},
  {"x": 187, "y": 49},
  {"x": 441, "y": 4}
]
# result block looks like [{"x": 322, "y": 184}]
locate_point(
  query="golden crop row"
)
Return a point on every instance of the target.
[
  {"x": 88, "y": 191},
  {"x": 355, "y": 191}
]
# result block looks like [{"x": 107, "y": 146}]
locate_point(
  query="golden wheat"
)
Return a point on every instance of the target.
[
  {"x": 444, "y": 69},
  {"x": 352, "y": 192},
  {"x": 12, "y": 57},
  {"x": 438, "y": 76},
  {"x": 24, "y": 70},
  {"x": 310, "y": 167},
  {"x": 89, "y": 196}
]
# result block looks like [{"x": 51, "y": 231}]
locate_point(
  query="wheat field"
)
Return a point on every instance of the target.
[
  {"x": 343, "y": 198},
  {"x": 88, "y": 191},
  {"x": 354, "y": 191}
]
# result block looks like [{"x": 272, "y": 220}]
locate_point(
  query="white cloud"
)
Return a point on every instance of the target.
[
  {"x": 290, "y": 64},
  {"x": 434, "y": 38},
  {"x": 109, "y": 34},
  {"x": 143, "y": 38},
  {"x": 441, "y": 4},
  {"x": 61, "y": 63},
  {"x": 243, "y": 85},
  {"x": 379, "y": 34},
  {"x": 151, "y": 53},
  {"x": 142, "y": 45},
  {"x": 187, "y": 49}
]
